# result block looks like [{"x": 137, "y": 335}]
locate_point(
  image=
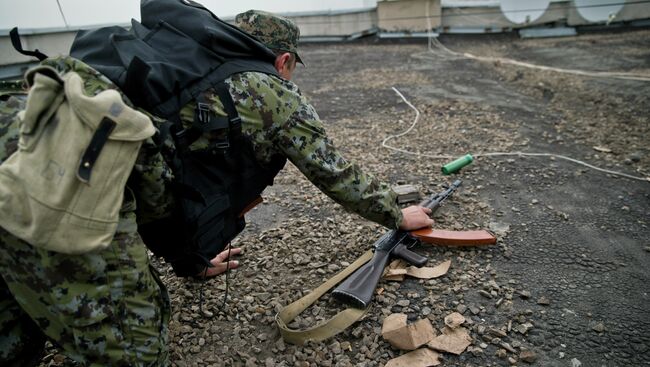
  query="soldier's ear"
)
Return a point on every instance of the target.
[
  {"x": 281, "y": 61},
  {"x": 283, "y": 65}
]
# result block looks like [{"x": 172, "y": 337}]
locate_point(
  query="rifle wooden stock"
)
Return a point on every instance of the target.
[
  {"x": 454, "y": 238},
  {"x": 250, "y": 206},
  {"x": 358, "y": 288}
]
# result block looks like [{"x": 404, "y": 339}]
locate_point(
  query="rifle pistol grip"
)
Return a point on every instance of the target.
[{"x": 411, "y": 257}]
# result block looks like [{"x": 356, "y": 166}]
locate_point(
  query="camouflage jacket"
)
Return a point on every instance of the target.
[{"x": 278, "y": 120}]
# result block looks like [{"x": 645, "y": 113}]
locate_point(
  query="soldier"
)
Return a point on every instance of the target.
[
  {"x": 282, "y": 121},
  {"x": 102, "y": 308},
  {"x": 109, "y": 307}
]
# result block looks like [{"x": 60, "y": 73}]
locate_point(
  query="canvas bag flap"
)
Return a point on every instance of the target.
[
  {"x": 42, "y": 200},
  {"x": 131, "y": 125}
]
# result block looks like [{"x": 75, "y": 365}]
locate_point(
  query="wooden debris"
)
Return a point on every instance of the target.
[{"x": 406, "y": 193}]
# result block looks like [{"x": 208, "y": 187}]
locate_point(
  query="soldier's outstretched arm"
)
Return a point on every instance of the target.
[{"x": 305, "y": 142}]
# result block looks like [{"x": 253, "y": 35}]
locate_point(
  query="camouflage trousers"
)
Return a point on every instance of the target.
[{"x": 106, "y": 308}]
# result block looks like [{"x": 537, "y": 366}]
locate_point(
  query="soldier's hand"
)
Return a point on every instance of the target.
[
  {"x": 219, "y": 263},
  {"x": 415, "y": 217}
]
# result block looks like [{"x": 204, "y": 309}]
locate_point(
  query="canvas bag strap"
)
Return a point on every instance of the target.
[{"x": 328, "y": 328}]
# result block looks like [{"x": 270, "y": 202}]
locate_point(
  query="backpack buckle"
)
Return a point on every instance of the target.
[
  {"x": 180, "y": 134},
  {"x": 222, "y": 144},
  {"x": 203, "y": 112}
]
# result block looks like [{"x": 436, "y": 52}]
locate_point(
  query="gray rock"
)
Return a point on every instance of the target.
[
  {"x": 403, "y": 302},
  {"x": 528, "y": 356},
  {"x": 599, "y": 327},
  {"x": 485, "y": 294},
  {"x": 636, "y": 157}
]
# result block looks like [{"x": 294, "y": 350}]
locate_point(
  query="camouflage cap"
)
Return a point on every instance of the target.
[{"x": 276, "y": 32}]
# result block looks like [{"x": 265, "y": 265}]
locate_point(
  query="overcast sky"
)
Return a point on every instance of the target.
[{"x": 46, "y": 13}]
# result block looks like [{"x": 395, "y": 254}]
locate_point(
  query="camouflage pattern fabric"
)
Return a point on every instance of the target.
[
  {"x": 101, "y": 309},
  {"x": 11, "y": 102},
  {"x": 279, "y": 120},
  {"x": 276, "y": 32},
  {"x": 106, "y": 308},
  {"x": 21, "y": 340}
]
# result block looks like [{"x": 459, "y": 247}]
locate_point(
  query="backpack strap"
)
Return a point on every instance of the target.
[
  {"x": 234, "y": 121},
  {"x": 205, "y": 120},
  {"x": 18, "y": 46},
  {"x": 99, "y": 139}
]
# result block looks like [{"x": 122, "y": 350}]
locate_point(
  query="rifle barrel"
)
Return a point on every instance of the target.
[{"x": 434, "y": 202}]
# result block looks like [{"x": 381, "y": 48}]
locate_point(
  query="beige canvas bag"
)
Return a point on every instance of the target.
[{"x": 63, "y": 188}]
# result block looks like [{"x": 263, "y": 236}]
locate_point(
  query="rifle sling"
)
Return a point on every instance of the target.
[
  {"x": 325, "y": 329},
  {"x": 349, "y": 316}
]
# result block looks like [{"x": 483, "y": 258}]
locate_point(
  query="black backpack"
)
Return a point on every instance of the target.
[{"x": 180, "y": 50}]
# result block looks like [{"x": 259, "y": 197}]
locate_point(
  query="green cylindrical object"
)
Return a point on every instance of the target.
[{"x": 459, "y": 163}]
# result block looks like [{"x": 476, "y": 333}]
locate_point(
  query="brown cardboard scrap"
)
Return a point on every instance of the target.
[
  {"x": 429, "y": 273},
  {"x": 391, "y": 272},
  {"x": 454, "y": 320},
  {"x": 393, "y": 322},
  {"x": 406, "y": 336},
  {"x": 398, "y": 268},
  {"x": 422, "y": 357},
  {"x": 394, "y": 278},
  {"x": 395, "y": 270},
  {"x": 453, "y": 341},
  {"x": 398, "y": 264}
]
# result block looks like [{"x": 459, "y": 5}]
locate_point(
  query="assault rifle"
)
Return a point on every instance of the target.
[{"x": 359, "y": 287}]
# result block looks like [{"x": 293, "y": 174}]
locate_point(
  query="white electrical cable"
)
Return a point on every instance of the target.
[
  {"x": 492, "y": 154},
  {"x": 433, "y": 41},
  {"x": 65, "y": 21},
  {"x": 597, "y": 74}
]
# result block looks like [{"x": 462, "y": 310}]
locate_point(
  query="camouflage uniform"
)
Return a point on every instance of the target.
[
  {"x": 278, "y": 119},
  {"x": 109, "y": 307},
  {"x": 101, "y": 308},
  {"x": 276, "y": 32}
]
